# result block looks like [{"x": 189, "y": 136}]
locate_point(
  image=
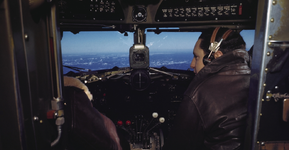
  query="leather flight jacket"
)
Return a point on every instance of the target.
[
  {"x": 213, "y": 112},
  {"x": 86, "y": 128}
]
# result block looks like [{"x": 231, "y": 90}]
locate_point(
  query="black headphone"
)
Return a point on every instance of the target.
[
  {"x": 215, "y": 46},
  {"x": 208, "y": 58}
]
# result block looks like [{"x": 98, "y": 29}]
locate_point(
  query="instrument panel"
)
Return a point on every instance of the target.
[
  {"x": 155, "y": 13},
  {"x": 90, "y": 10},
  {"x": 143, "y": 118},
  {"x": 192, "y": 11}
]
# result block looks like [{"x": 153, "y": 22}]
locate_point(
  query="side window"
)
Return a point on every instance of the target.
[{"x": 248, "y": 36}]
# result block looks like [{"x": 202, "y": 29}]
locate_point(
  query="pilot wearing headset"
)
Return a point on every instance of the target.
[{"x": 213, "y": 112}]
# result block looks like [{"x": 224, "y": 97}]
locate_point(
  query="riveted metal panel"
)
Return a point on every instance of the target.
[
  {"x": 269, "y": 71},
  {"x": 279, "y": 20}
]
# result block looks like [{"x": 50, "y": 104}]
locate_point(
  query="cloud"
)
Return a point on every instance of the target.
[
  {"x": 165, "y": 37},
  {"x": 150, "y": 44}
]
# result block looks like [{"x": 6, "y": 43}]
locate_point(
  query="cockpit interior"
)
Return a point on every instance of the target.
[
  {"x": 140, "y": 99},
  {"x": 134, "y": 57}
]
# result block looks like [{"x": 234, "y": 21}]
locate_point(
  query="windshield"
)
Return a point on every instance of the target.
[{"x": 97, "y": 50}]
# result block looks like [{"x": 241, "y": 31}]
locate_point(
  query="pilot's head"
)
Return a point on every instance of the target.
[{"x": 232, "y": 42}]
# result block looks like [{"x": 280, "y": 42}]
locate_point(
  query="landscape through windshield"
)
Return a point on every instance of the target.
[{"x": 97, "y": 50}]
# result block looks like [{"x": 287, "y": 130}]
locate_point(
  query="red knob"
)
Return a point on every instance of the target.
[
  {"x": 119, "y": 123},
  {"x": 50, "y": 114},
  {"x": 128, "y": 122}
]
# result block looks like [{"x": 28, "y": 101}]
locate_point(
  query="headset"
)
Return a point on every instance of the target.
[{"x": 215, "y": 46}]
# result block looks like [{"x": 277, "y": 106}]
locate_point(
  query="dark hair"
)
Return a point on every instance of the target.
[{"x": 232, "y": 42}]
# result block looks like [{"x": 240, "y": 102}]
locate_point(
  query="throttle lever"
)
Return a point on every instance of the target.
[{"x": 161, "y": 120}]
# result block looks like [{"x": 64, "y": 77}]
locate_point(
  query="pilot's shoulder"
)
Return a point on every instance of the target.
[{"x": 74, "y": 82}]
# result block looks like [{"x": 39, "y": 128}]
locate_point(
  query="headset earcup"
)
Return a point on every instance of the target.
[{"x": 208, "y": 59}]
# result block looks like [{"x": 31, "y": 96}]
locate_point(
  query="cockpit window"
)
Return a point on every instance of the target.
[
  {"x": 95, "y": 50},
  {"x": 107, "y": 49},
  {"x": 173, "y": 50}
]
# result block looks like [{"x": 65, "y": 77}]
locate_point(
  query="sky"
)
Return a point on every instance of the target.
[{"x": 113, "y": 42}]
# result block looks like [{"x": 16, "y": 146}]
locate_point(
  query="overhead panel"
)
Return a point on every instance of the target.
[
  {"x": 124, "y": 14},
  {"x": 90, "y": 10},
  {"x": 200, "y": 10}
]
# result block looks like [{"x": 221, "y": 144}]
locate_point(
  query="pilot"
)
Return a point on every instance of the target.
[
  {"x": 213, "y": 112},
  {"x": 87, "y": 127}
]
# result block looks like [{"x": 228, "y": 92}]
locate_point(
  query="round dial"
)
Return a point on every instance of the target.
[
  {"x": 140, "y": 79},
  {"x": 139, "y": 14}
]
